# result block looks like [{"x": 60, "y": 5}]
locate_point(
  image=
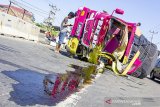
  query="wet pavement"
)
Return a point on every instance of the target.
[{"x": 24, "y": 64}]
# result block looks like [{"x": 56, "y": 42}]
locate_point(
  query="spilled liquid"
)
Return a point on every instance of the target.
[{"x": 69, "y": 82}]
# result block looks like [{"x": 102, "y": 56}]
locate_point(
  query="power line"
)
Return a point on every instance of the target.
[
  {"x": 51, "y": 13},
  {"x": 27, "y": 6},
  {"x": 58, "y": 21},
  {"x": 34, "y": 6},
  {"x": 21, "y": 5},
  {"x": 155, "y": 27},
  {"x": 49, "y": 2}
]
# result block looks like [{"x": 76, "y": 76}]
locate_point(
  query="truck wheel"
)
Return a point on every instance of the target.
[
  {"x": 143, "y": 75},
  {"x": 152, "y": 75},
  {"x": 80, "y": 57}
]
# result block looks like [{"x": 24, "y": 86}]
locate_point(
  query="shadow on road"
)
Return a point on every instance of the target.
[
  {"x": 155, "y": 80},
  {"x": 10, "y": 63},
  {"x": 6, "y": 48},
  {"x": 64, "y": 53},
  {"x": 51, "y": 49}
]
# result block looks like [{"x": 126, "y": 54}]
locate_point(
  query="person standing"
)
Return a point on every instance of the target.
[{"x": 63, "y": 30}]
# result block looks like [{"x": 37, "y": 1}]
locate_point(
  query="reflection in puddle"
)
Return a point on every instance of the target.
[{"x": 69, "y": 82}]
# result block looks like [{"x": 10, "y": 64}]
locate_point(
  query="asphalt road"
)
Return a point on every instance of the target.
[{"x": 23, "y": 65}]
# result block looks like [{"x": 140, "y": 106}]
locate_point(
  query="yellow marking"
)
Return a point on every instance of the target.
[
  {"x": 125, "y": 60},
  {"x": 131, "y": 63},
  {"x": 82, "y": 13},
  {"x": 114, "y": 65}
]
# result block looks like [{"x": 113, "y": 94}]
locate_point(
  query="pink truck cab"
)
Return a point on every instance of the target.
[
  {"x": 95, "y": 30},
  {"x": 118, "y": 46},
  {"x": 82, "y": 15},
  {"x": 73, "y": 46}
]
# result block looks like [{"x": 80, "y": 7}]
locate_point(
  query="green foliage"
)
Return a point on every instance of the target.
[
  {"x": 55, "y": 33},
  {"x": 88, "y": 71},
  {"x": 47, "y": 28}
]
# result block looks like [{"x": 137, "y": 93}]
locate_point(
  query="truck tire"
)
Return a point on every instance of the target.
[
  {"x": 152, "y": 75},
  {"x": 143, "y": 75}
]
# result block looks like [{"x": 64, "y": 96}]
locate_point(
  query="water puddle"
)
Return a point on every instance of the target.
[{"x": 72, "y": 81}]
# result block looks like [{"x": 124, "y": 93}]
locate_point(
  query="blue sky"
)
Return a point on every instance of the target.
[{"x": 145, "y": 11}]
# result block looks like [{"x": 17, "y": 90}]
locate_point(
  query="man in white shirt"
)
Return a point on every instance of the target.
[{"x": 63, "y": 30}]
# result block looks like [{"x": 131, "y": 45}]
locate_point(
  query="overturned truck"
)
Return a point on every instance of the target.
[{"x": 112, "y": 43}]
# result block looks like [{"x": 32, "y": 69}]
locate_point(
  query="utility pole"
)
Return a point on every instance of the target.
[
  {"x": 24, "y": 13},
  {"x": 49, "y": 21},
  {"x": 54, "y": 9},
  {"x": 53, "y": 12},
  {"x": 9, "y": 6},
  {"x": 152, "y": 34}
]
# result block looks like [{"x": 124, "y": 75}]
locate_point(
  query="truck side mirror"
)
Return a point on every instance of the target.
[{"x": 119, "y": 11}]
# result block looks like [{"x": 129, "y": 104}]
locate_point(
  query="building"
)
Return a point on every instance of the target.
[{"x": 17, "y": 12}]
